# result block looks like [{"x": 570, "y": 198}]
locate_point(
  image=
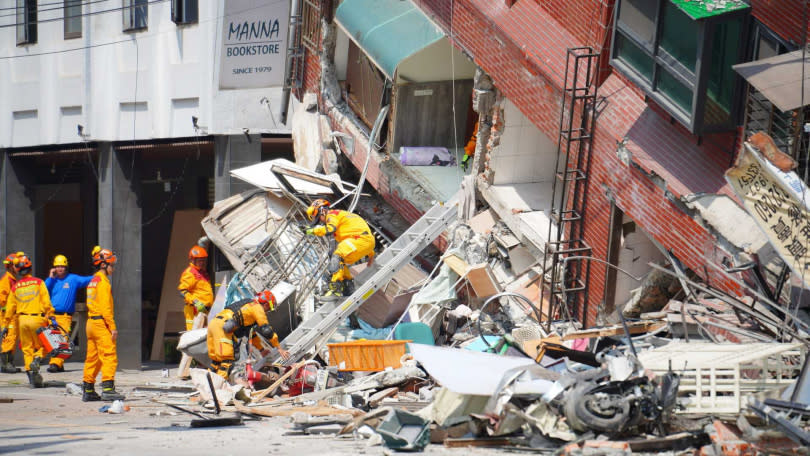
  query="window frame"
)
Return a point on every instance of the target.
[
  {"x": 28, "y": 27},
  {"x": 180, "y": 9},
  {"x": 66, "y": 4},
  {"x": 696, "y": 82},
  {"x": 129, "y": 15},
  {"x": 311, "y": 24}
]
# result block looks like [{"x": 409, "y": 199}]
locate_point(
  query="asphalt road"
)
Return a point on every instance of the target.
[{"x": 50, "y": 421}]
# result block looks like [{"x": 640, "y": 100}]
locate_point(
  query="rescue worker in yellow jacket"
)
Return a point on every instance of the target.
[
  {"x": 195, "y": 286},
  {"x": 102, "y": 333},
  {"x": 30, "y": 303},
  {"x": 354, "y": 241},
  {"x": 8, "y": 329},
  {"x": 235, "y": 322}
]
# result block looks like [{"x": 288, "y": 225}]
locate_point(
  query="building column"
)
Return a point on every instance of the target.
[
  {"x": 234, "y": 152},
  {"x": 17, "y": 218},
  {"x": 119, "y": 229}
]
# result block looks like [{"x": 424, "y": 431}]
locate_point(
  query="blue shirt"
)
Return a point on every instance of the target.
[{"x": 63, "y": 291}]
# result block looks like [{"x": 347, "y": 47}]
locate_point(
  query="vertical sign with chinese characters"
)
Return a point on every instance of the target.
[
  {"x": 254, "y": 44},
  {"x": 778, "y": 201}
]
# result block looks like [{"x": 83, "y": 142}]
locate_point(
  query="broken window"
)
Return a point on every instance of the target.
[
  {"x": 364, "y": 85},
  {"x": 681, "y": 55}
]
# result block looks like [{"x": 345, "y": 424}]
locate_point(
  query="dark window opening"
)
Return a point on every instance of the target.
[
  {"x": 185, "y": 11},
  {"x": 26, "y": 21},
  {"x": 136, "y": 14}
]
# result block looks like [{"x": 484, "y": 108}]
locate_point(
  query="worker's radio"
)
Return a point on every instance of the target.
[{"x": 54, "y": 342}]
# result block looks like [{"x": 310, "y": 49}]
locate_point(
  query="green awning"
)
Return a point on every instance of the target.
[
  {"x": 388, "y": 31},
  {"x": 708, "y": 8}
]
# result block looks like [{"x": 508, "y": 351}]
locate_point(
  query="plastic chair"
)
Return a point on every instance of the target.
[{"x": 417, "y": 332}]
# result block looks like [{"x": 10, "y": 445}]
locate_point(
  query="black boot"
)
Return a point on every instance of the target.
[
  {"x": 34, "y": 379},
  {"x": 53, "y": 368},
  {"x": 108, "y": 392},
  {"x": 33, "y": 374},
  {"x": 6, "y": 363},
  {"x": 89, "y": 393}
]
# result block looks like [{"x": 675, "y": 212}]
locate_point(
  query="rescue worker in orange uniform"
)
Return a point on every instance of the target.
[
  {"x": 354, "y": 241},
  {"x": 102, "y": 333},
  {"x": 235, "y": 322},
  {"x": 8, "y": 329},
  {"x": 195, "y": 286},
  {"x": 30, "y": 303}
]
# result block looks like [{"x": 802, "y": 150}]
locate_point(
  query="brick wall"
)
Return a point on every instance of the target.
[
  {"x": 785, "y": 17},
  {"x": 523, "y": 48}
]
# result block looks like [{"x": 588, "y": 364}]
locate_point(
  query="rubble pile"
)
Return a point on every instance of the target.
[{"x": 471, "y": 353}]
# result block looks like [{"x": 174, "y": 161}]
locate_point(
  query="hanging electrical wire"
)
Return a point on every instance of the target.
[
  {"x": 62, "y": 6},
  {"x": 91, "y": 13}
]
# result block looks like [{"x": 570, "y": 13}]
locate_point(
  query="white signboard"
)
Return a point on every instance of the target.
[
  {"x": 254, "y": 43},
  {"x": 778, "y": 201}
]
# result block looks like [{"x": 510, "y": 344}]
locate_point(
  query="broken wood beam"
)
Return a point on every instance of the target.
[
  {"x": 478, "y": 442},
  {"x": 272, "y": 388}
]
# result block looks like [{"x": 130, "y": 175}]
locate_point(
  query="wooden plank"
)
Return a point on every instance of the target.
[
  {"x": 272, "y": 388},
  {"x": 482, "y": 280},
  {"x": 186, "y": 230},
  {"x": 476, "y": 442},
  {"x": 455, "y": 263},
  {"x": 636, "y": 327},
  {"x": 322, "y": 409}
]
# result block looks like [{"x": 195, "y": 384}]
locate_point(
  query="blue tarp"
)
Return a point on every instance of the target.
[{"x": 388, "y": 31}]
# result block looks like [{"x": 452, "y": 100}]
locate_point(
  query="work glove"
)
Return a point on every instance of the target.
[
  {"x": 465, "y": 162},
  {"x": 3, "y": 333},
  {"x": 199, "y": 305},
  {"x": 310, "y": 231}
]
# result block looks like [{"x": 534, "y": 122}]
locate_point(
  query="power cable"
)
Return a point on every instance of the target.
[
  {"x": 62, "y": 6},
  {"x": 91, "y": 13},
  {"x": 140, "y": 35}
]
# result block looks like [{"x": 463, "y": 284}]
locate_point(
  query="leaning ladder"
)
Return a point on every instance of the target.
[{"x": 315, "y": 331}]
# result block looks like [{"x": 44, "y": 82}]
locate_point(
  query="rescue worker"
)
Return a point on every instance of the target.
[
  {"x": 30, "y": 304},
  {"x": 195, "y": 286},
  {"x": 234, "y": 322},
  {"x": 353, "y": 236},
  {"x": 62, "y": 287},
  {"x": 102, "y": 333},
  {"x": 8, "y": 329}
]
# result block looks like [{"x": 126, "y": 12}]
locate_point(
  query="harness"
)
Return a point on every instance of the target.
[{"x": 236, "y": 309}]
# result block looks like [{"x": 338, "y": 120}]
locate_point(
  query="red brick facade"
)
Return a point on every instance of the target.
[{"x": 522, "y": 46}]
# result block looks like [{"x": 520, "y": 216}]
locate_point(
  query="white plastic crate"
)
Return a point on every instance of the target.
[{"x": 716, "y": 378}]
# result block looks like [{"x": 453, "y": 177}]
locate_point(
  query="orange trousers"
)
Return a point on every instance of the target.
[
  {"x": 101, "y": 352},
  {"x": 64, "y": 321},
  {"x": 11, "y": 337},
  {"x": 31, "y": 347}
]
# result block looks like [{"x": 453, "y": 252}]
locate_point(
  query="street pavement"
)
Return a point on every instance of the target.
[{"x": 51, "y": 421}]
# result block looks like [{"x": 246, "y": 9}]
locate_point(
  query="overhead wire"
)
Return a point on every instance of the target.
[
  {"x": 62, "y": 3},
  {"x": 91, "y": 13},
  {"x": 62, "y": 6}
]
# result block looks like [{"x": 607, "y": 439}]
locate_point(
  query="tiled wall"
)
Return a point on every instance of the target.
[{"x": 525, "y": 154}]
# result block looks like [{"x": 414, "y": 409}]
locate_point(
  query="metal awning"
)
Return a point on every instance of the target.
[
  {"x": 388, "y": 31},
  {"x": 779, "y": 78}
]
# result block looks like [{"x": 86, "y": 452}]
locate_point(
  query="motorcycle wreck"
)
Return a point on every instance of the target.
[{"x": 612, "y": 395}]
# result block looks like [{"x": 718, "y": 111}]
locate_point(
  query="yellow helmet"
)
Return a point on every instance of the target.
[
  {"x": 315, "y": 207},
  {"x": 60, "y": 260}
]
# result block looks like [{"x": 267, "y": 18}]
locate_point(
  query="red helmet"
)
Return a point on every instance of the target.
[
  {"x": 266, "y": 297},
  {"x": 104, "y": 256},
  {"x": 197, "y": 252},
  {"x": 22, "y": 262}
]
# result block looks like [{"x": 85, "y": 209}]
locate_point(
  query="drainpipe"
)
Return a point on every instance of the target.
[{"x": 295, "y": 19}]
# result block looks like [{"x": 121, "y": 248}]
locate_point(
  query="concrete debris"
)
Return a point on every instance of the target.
[{"x": 471, "y": 352}]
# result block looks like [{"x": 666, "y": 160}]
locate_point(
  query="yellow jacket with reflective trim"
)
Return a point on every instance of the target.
[
  {"x": 194, "y": 284},
  {"x": 252, "y": 314},
  {"x": 29, "y": 295},
  {"x": 345, "y": 225},
  {"x": 100, "y": 300},
  {"x": 6, "y": 282}
]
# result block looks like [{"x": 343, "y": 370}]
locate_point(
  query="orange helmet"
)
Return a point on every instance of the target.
[
  {"x": 22, "y": 262},
  {"x": 315, "y": 207},
  {"x": 266, "y": 297},
  {"x": 104, "y": 256},
  {"x": 197, "y": 252},
  {"x": 10, "y": 259}
]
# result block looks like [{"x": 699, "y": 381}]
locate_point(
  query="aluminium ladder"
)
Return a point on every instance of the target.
[{"x": 315, "y": 331}]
